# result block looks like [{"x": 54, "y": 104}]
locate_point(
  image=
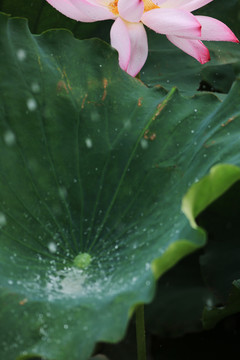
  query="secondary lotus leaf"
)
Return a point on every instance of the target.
[
  {"x": 220, "y": 259},
  {"x": 93, "y": 169},
  {"x": 179, "y": 301},
  {"x": 203, "y": 288}
]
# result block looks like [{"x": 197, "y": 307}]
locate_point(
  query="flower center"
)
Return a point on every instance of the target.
[
  {"x": 148, "y": 5},
  {"x": 113, "y": 7}
]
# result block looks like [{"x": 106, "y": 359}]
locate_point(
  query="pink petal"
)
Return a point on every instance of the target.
[
  {"x": 195, "y": 48},
  {"x": 158, "y": 2},
  {"x": 93, "y": 9},
  {"x": 69, "y": 10},
  {"x": 188, "y": 5},
  {"x": 121, "y": 42},
  {"x": 130, "y": 40},
  {"x": 172, "y": 22},
  {"x": 131, "y": 10},
  {"x": 139, "y": 48},
  {"x": 213, "y": 29}
]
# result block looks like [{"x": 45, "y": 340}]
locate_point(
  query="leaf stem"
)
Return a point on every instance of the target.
[{"x": 140, "y": 333}]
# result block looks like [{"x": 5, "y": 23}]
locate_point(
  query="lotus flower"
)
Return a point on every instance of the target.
[{"x": 172, "y": 18}]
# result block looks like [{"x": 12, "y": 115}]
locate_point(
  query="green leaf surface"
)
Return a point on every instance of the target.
[{"x": 93, "y": 162}]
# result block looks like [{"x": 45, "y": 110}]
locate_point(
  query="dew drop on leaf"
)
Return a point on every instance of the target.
[
  {"x": 9, "y": 138},
  {"x": 35, "y": 87},
  {"x": 52, "y": 247},
  {"x": 31, "y": 104},
  {"x": 144, "y": 144},
  {"x": 3, "y": 220},
  {"x": 62, "y": 192},
  {"x": 89, "y": 143},
  {"x": 21, "y": 54}
]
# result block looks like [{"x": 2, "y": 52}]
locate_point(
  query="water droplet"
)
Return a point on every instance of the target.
[
  {"x": 62, "y": 192},
  {"x": 31, "y": 104},
  {"x": 95, "y": 117},
  {"x": 9, "y": 138},
  {"x": 21, "y": 54},
  {"x": 52, "y": 247},
  {"x": 3, "y": 220},
  {"x": 35, "y": 87},
  {"x": 127, "y": 124},
  {"x": 209, "y": 303},
  {"x": 147, "y": 266},
  {"x": 144, "y": 144},
  {"x": 89, "y": 143}
]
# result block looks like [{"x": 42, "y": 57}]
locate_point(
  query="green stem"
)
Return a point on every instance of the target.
[{"x": 140, "y": 333}]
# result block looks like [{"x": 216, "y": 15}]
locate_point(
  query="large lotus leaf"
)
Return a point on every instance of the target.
[{"x": 94, "y": 162}]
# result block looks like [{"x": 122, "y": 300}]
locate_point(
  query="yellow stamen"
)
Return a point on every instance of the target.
[
  {"x": 149, "y": 5},
  {"x": 113, "y": 7}
]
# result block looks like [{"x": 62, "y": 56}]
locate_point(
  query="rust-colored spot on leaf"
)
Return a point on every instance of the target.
[
  {"x": 23, "y": 302},
  {"x": 209, "y": 144},
  {"x": 228, "y": 121},
  {"x": 148, "y": 135},
  {"x": 84, "y": 100},
  {"x": 105, "y": 84},
  {"x": 140, "y": 101},
  {"x": 62, "y": 86},
  {"x": 152, "y": 136},
  {"x": 67, "y": 80},
  {"x": 160, "y": 107}
]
